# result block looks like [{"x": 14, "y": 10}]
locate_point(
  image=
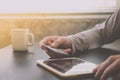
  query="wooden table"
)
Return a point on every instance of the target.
[{"x": 22, "y": 65}]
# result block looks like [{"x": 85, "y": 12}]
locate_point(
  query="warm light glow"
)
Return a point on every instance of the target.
[
  {"x": 55, "y": 6},
  {"x": 30, "y": 14}
]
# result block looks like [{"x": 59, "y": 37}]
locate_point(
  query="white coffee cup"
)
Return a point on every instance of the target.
[{"x": 21, "y": 39}]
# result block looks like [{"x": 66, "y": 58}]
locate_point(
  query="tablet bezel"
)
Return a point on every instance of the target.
[{"x": 65, "y": 75}]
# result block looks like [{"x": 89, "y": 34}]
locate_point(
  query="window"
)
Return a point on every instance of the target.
[{"x": 56, "y": 6}]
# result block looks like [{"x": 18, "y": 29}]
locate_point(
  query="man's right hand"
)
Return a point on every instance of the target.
[{"x": 57, "y": 42}]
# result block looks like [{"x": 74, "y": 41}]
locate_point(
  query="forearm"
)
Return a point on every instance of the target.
[
  {"x": 88, "y": 39},
  {"x": 103, "y": 33}
]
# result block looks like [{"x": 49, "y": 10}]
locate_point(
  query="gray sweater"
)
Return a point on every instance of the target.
[{"x": 101, "y": 34}]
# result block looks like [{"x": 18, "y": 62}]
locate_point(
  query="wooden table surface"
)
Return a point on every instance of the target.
[{"x": 22, "y": 65}]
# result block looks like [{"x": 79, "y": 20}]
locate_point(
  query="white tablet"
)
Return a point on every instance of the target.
[{"x": 68, "y": 67}]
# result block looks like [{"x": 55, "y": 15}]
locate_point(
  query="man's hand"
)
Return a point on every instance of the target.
[
  {"x": 110, "y": 67},
  {"x": 57, "y": 42}
]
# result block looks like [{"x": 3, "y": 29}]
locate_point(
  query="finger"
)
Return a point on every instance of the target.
[
  {"x": 57, "y": 43},
  {"x": 47, "y": 40},
  {"x": 51, "y": 38},
  {"x": 112, "y": 69},
  {"x": 95, "y": 70},
  {"x": 69, "y": 50},
  {"x": 42, "y": 45},
  {"x": 102, "y": 67}
]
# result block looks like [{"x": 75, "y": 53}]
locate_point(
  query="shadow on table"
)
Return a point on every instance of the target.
[{"x": 23, "y": 58}]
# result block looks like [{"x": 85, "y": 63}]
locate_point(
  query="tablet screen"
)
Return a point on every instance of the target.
[{"x": 63, "y": 65}]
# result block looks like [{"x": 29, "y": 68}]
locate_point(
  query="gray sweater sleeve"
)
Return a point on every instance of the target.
[{"x": 103, "y": 33}]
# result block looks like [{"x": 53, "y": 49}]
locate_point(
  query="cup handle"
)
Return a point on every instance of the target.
[{"x": 30, "y": 36}]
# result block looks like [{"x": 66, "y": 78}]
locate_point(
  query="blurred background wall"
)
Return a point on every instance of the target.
[{"x": 44, "y": 27}]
